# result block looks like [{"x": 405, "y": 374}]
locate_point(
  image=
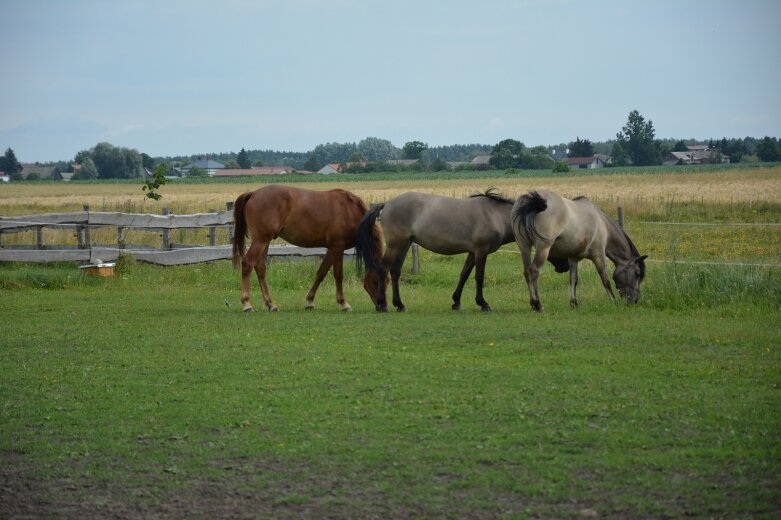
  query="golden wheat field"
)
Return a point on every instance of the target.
[{"x": 639, "y": 191}]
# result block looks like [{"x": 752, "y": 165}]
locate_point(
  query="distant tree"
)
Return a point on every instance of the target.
[
  {"x": 197, "y": 172},
  {"x": 87, "y": 171},
  {"x": 356, "y": 158},
  {"x": 737, "y": 149},
  {"x": 581, "y": 148},
  {"x": 680, "y": 146},
  {"x": 767, "y": 150},
  {"x": 147, "y": 161},
  {"x": 413, "y": 150},
  {"x": 560, "y": 167},
  {"x": 439, "y": 165},
  {"x": 636, "y": 142},
  {"x": 232, "y": 165},
  {"x": 243, "y": 159},
  {"x": 374, "y": 149},
  {"x": 506, "y": 154},
  {"x": 257, "y": 163},
  {"x": 311, "y": 164},
  {"x": 9, "y": 164},
  {"x": 113, "y": 162}
]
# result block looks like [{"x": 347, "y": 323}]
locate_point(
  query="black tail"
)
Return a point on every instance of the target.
[
  {"x": 365, "y": 245},
  {"x": 527, "y": 208},
  {"x": 239, "y": 228}
]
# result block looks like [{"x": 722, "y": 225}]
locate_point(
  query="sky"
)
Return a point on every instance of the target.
[{"x": 184, "y": 77}]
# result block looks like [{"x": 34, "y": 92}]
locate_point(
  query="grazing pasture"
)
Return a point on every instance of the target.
[{"x": 151, "y": 394}]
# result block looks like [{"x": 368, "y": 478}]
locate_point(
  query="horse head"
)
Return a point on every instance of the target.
[
  {"x": 628, "y": 276},
  {"x": 376, "y": 285}
]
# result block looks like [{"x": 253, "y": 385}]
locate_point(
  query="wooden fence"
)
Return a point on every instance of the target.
[{"x": 82, "y": 223}]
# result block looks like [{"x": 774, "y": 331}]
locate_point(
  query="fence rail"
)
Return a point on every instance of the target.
[{"x": 169, "y": 254}]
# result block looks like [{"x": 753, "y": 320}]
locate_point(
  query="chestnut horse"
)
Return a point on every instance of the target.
[
  {"x": 301, "y": 217},
  {"x": 565, "y": 231},
  {"x": 478, "y": 226}
]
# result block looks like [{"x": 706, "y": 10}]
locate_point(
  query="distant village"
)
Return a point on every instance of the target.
[{"x": 695, "y": 154}]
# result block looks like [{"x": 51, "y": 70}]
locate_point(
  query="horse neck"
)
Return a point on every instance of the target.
[
  {"x": 506, "y": 212},
  {"x": 619, "y": 249}
]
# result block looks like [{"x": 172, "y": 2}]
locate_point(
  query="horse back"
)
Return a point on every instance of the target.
[{"x": 307, "y": 218}]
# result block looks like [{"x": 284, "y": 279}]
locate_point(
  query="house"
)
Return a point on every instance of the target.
[
  {"x": 4, "y": 177},
  {"x": 584, "y": 163},
  {"x": 695, "y": 154},
  {"x": 402, "y": 162},
  {"x": 39, "y": 172},
  {"x": 330, "y": 168},
  {"x": 481, "y": 162},
  {"x": 258, "y": 170},
  {"x": 207, "y": 164},
  {"x": 560, "y": 155}
]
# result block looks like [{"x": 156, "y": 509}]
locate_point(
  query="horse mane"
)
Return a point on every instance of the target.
[
  {"x": 369, "y": 242},
  {"x": 493, "y": 194}
]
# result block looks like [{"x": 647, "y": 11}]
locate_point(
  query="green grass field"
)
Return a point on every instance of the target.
[{"x": 150, "y": 394}]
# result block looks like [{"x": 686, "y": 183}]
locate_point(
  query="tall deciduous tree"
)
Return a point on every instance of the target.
[
  {"x": 636, "y": 142},
  {"x": 581, "y": 148},
  {"x": 413, "y": 150},
  {"x": 506, "y": 154},
  {"x": 767, "y": 150}
]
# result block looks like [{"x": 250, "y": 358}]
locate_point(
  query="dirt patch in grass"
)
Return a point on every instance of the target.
[{"x": 241, "y": 489}]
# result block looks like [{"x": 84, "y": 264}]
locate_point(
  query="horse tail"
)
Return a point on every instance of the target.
[
  {"x": 239, "y": 227},
  {"x": 367, "y": 241},
  {"x": 529, "y": 205}
]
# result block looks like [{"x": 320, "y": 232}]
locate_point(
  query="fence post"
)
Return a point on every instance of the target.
[
  {"x": 39, "y": 237},
  {"x": 229, "y": 207},
  {"x": 212, "y": 232},
  {"x": 621, "y": 217},
  {"x": 83, "y": 235},
  {"x": 166, "y": 232},
  {"x": 120, "y": 237},
  {"x": 415, "y": 259}
]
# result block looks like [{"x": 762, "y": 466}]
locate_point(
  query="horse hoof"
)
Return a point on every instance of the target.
[
  {"x": 347, "y": 308},
  {"x": 249, "y": 309},
  {"x": 401, "y": 309},
  {"x": 380, "y": 309},
  {"x": 456, "y": 306},
  {"x": 273, "y": 308},
  {"x": 486, "y": 308}
]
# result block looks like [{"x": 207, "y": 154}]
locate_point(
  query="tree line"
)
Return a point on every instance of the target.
[{"x": 636, "y": 144}]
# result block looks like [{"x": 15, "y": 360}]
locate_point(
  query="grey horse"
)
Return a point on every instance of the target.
[
  {"x": 565, "y": 231},
  {"x": 478, "y": 225}
]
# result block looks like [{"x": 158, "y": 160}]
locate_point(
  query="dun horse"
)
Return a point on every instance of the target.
[
  {"x": 304, "y": 218},
  {"x": 564, "y": 232},
  {"x": 478, "y": 226}
]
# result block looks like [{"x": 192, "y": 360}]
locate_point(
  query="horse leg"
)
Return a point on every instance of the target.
[
  {"x": 480, "y": 259},
  {"x": 469, "y": 264},
  {"x": 540, "y": 256},
  {"x": 260, "y": 269},
  {"x": 322, "y": 271},
  {"x": 599, "y": 263},
  {"x": 573, "y": 283},
  {"x": 398, "y": 256},
  {"x": 247, "y": 265},
  {"x": 338, "y": 261}
]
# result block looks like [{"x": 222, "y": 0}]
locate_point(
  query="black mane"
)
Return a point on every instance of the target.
[{"x": 493, "y": 194}]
